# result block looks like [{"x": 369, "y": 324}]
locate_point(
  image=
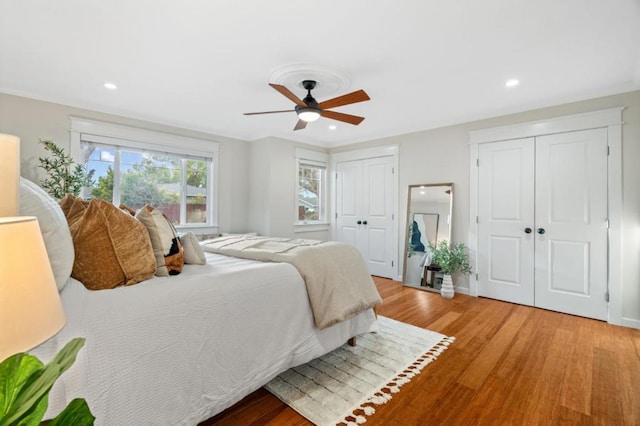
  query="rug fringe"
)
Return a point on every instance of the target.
[{"x": 382, "y": 397}]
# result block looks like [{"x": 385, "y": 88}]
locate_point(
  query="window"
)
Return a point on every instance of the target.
[
  {"x": 168, "y": 175},
  {"x": 311, "y": 187}
]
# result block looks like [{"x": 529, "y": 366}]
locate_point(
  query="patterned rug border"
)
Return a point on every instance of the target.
[{"x": 383, "y": 394}]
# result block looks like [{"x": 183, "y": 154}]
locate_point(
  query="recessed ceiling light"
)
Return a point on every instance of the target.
[
  {"x": 512, "y": 82},
  {"x": 111, "y": 86},
  {"x": 332, "y": 127}
]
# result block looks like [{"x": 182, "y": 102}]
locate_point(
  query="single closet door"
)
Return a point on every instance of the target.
[
  {"x": 571, "y": 223},
  {"x": 505, "y": 221},
  {"x": 542, "y": 225}
]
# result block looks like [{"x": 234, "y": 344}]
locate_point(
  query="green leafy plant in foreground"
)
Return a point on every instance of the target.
[
  {"x": 450, "y": 258},
  {"x": 25, "y": 383},
  {"x": 65, "y": 176}
]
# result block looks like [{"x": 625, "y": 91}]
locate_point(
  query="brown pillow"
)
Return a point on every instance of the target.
[
  {"x": 164, "y": 239},
  {"x": 112, "y": 248}
]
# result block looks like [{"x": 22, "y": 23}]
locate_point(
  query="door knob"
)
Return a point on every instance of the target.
[
  {"x": 364, "y": 222},
  {"x": 359, "y": 222},
  {"x": 540, "y": 231},
  {"x": 527, "y": 230}
]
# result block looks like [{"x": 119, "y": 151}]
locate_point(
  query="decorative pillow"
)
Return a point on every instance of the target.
[
  {"x": 193, "y": 253},
  {"x": 112, "y": 247},
  {"x": 34, "y": 201},
  {"x": 164, "y": 239}
]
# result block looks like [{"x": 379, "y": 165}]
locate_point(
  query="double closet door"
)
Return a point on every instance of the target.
[
  {"x": 364, "y": 211},
  {"x": 542, "y": 223}
]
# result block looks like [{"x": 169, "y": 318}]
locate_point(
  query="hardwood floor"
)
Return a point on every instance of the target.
[{"x": 509, "y": 365}]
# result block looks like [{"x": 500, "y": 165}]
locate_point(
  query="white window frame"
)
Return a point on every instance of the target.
[
  {"x": 317, "y": 159},
  {"x": 136, "y": 138}
]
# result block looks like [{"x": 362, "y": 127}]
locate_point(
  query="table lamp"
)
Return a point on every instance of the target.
[{"x": 30, "y": 307}]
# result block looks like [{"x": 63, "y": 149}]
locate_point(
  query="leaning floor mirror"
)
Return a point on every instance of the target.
[{"x": 429, "y": 209}]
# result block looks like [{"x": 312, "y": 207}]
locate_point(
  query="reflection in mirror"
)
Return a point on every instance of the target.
[{"x": 429, "y": 209}]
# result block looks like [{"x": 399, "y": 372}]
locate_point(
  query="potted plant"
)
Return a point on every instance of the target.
[
  {"x": 451, "y": 259},
  {"x": 65, "y": 176}
]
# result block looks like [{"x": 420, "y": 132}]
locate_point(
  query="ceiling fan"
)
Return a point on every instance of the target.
[{"x": 308, "y": 109}]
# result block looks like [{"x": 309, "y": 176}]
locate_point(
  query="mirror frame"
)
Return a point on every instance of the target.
[{"x": 406, "y": 232}]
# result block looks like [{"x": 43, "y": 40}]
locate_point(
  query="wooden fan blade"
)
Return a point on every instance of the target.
[
  {"x": 340, "y": 116},
  {"x": 301, "y": 124},
  {"x": 349, "y": 98},
  {"x": 268, "y": 112},
  {"x": 286, "y": 92}
]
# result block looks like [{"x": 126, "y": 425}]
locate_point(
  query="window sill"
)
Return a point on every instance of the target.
[
  {"x": 300, "y": 227},
  {"x": 199, "y": 230}
]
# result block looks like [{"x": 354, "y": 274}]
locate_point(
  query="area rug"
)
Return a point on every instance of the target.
[{"x": 344, "y": 386}]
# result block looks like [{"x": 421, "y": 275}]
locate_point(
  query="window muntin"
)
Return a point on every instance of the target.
[
  {"x": 310, "y": 192},
  {"x": 176, "y": 184},
  {"x": 311, "y": 189}
]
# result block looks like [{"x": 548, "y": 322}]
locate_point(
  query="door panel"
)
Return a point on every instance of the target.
[
  {"x": 378, "y": 207},
  {"x": 505, "y": 206},
  {"x": 571, "y": 207}
]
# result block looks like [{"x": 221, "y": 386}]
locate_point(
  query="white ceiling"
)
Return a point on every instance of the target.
[{"x": 200, "y": 64}]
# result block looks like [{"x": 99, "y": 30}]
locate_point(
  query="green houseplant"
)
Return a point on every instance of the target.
[
  {"x": 65, "y": 176},
  {"x": 25, "y": 383},
  {"x": 451, "y": 258}
]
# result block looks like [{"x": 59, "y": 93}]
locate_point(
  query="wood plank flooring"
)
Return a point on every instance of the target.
[{"x": 510, "y": 365}]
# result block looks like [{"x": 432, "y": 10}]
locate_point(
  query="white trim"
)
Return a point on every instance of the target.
[
  {"x": 97, "y": 131},
  {"x": 607, "y": 118},
  {"x": 136, "y": 134},
  {"x": 567, "y": 123},
  {"x": 300, "y": 228},
  {"x": 630, "y": 322},
  {"x": 359, "y": 154}
]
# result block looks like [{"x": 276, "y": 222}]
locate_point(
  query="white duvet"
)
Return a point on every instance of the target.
[{"x": 178, "y": 350}]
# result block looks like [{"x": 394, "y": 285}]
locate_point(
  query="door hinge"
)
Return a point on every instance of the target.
[
  {"x": 477, "y": 219},
  {"x": 477, "y": 162},
  {"x": 392, "y": 263},
  {"x": 476, "y": 277},
  {"x": 336, "y": 215},
  {"x": 393, "y": 216},
  {"x": 608, "y": 150},
  {"x": 336, "y": 175},
  {"x": 606, "y": 296},
  {"x": 606, "y": 223},
  {"x": 393, "y": 170}
]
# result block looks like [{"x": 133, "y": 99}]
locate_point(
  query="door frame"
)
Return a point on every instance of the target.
[
  {"x": 611, "y": 119},
  {"x": 364, "y": 154}
]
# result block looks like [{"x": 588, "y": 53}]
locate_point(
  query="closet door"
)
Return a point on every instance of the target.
[
  {"x": 506, "y": 221},
  {"x": 571, "y": 223},
  {"x": 364, "y": 211}
]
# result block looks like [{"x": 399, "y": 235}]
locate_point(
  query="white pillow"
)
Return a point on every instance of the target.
[
  {"x": 34, "y": 201},
  {"x": 193, "y": 253}
]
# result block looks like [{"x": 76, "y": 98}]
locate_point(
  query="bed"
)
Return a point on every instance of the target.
[{"x": 177, "y": 350}]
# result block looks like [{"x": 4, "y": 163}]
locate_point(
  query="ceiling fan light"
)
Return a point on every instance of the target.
[{"x": 308, "y": 114}]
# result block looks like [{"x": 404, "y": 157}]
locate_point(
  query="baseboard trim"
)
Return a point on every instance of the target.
[
  {"x": 462, "y": 290},
  {"x": 630, "y": 322}
]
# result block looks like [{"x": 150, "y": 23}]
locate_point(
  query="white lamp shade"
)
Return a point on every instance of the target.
[{"x": 30, "y": 307}]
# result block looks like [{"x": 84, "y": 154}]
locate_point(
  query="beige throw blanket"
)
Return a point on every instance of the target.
[{"x": 338, "y": 281}]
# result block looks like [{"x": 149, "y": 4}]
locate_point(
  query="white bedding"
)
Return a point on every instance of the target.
[
  {"x": 177, "y": 350},
  {"x": 337, "y": 278}
]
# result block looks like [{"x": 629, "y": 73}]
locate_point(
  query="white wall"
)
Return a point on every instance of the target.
[{"x": 272, "y": 189}]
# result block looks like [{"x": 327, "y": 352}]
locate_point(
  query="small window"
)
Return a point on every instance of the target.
[{"x": 311, "y": 188}]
